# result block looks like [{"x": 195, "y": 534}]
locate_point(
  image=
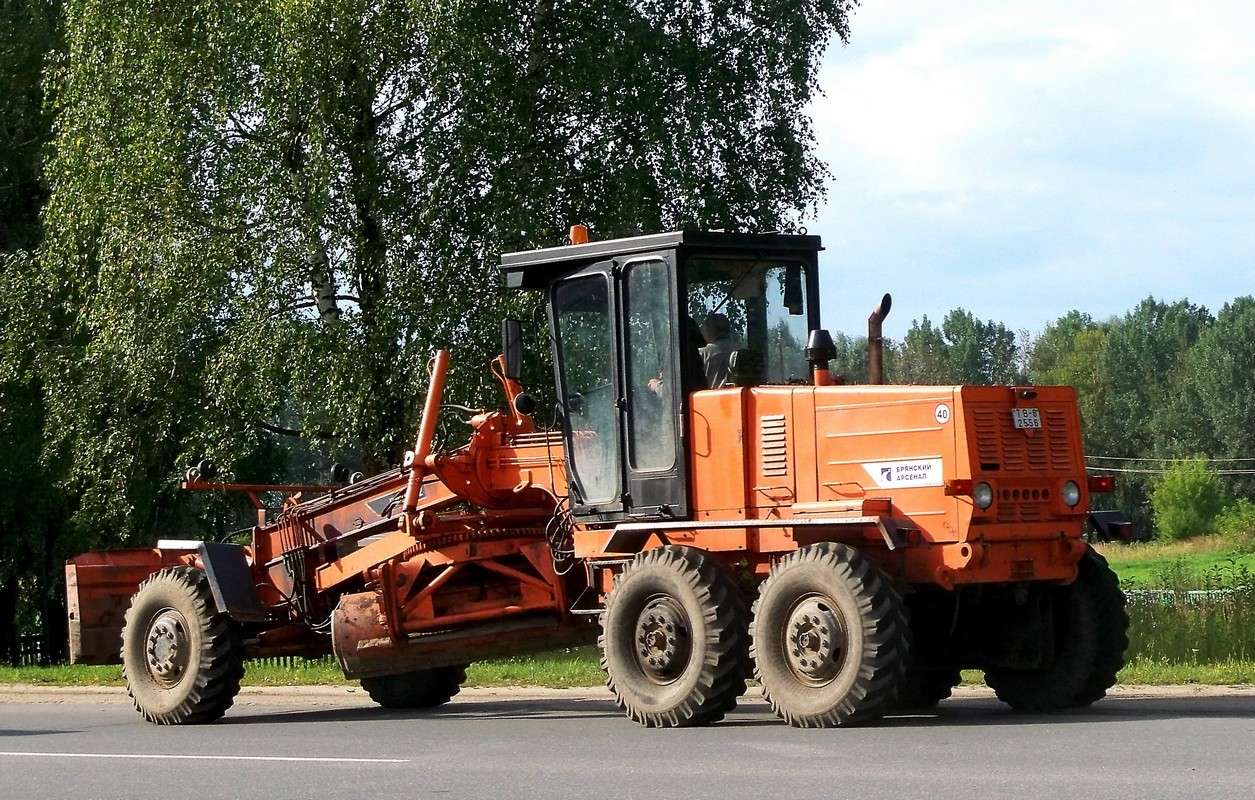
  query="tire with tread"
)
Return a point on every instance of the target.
[
  {"x": 181, "y": 658},
  {"x": 1091, "y": 631},
  {"x": 829, "y": 638},
  {"x": 674, "y": 640},
  {"x": 424, "y": 688}
]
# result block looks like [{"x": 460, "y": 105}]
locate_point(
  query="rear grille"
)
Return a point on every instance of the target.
[
  {"x": 1001, "y": 447},
  {"x": 1056, "y": 422},
  {"x": 1023, "y": 465}
]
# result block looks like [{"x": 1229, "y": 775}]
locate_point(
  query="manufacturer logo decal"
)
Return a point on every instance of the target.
[{"x": 905, "y": 474}]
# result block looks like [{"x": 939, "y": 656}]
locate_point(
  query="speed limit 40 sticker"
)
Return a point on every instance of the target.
[{"x": 942, "y": 413}]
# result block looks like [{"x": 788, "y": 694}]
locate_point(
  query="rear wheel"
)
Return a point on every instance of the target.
[
  {"x": 1091, "y": 635},
  {"x": 424, "y": 688},
  {"x": 673, "y": 640},
  {"x": 181, "y": 658},
  {"x": 829, "y": 638}
]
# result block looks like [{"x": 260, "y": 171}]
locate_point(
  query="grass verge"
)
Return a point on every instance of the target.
[
  {"x": 1193, "y": 564},
  {"x": 580, "y": 669},
  {"x": 562, "y": 669}
]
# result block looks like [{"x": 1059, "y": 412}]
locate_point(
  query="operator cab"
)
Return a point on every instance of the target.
[{"x": 639, "y": 324}]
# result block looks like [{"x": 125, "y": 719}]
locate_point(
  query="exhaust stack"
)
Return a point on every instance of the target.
[{"x": 876, "y": 342}]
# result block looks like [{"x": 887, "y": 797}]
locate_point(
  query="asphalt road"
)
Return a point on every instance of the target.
[{"x": 302, "y": 744}]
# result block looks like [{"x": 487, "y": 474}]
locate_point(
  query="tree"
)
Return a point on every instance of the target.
[
  {"x": 1069, "y": 352},
  {"x": 268, "y": 215},
  {"x": 922, "y": 357},
  {"x": 963, "y": 350},
  {"x": 1213, "y": 404},
  {"x": 31, "y": 519},
  {"x": 980, "y": 352},
  {"x": 1054, "y": 358},
  {"x": 1140, "y": 372},
  {"x": 28, "y": 33},
  {"x": 1187, "y": 499},
  {"x": 851, "y": 360}
]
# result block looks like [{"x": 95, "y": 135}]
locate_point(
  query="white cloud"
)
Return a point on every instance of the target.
[{"x": 1021, "y": 162}]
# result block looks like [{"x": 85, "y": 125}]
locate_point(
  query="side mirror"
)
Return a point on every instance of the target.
[
  {"x": 793, "y": 289},
  {"x": 512, "y": 348}
]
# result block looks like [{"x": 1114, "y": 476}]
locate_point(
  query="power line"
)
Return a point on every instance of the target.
[
  {"x": 1163, "y": 460},
  {"x": 1162, "y": 471}
]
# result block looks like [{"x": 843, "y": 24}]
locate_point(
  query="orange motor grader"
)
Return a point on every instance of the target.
[{"x": 705, "y": 511}]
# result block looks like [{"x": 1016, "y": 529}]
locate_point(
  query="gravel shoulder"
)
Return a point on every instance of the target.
[{"x": 352, "y": 695}]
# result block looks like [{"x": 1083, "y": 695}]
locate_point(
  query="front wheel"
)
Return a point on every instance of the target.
[
  {"x": 424, "y": 688},
  {"x": 181, "y": 657},
  {"x": 673, "y": 640},
  {"x": 829, "y": 638}
]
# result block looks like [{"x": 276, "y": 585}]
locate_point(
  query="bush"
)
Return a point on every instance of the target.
[
  {"x": 1187, "y": 499},
  {"x": 1236, "y": 524}
]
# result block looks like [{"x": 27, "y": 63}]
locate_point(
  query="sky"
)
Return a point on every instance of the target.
[{"x": 1024, "y": 160}]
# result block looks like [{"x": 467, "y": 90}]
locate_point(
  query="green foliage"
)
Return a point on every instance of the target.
[
  {"x": 1182, "y": 564},
  {"x": 1140, "y": 671},
  {"x": 922, "y": 357},
  {"x": 33, "y": 543},
  {"x": 851, "y": 360},
  {"x": 1182, "y": 625},
  {"x": 1236, "y": 524},
  {"x": 1213, "y": 401},
  {"x": 265, "y": 217},
  {"x": 1069, "y": 352},
  {"x": 29, "y": 33},
  {"x": 963, "y": 350},
  {"x": 1187, "y": 499},
  {"x": 1140, "y": 373},
  {"x": 261, "y": 219},
  {"x": 558, "y": 669}
]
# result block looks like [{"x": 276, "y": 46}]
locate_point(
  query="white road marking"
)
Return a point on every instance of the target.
[{"x": 211, "y": 758}]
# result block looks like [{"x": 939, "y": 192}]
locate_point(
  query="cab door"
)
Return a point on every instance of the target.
[
  {"x": 619, "y": 379},
  {"x": 652, "y": 335},
  {"x": 585, "y": 344}
]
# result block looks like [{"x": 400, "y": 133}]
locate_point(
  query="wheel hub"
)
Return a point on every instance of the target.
[
  {"x": 662, "y": 642},
  {"x": 167, "y": 647},
  {"x": 815, "y": 649}
]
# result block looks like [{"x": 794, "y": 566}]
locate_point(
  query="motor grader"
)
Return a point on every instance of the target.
[{"x": 850, "y": 547}]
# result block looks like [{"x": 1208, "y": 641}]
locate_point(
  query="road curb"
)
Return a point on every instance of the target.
[{"x": 23, "y": 693}]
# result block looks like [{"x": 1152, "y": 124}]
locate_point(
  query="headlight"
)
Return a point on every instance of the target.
[
  {"x": 1071, "y": 494},
  {"x": 983, "y": 495}
]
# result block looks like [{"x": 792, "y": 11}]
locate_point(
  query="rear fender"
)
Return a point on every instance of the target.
[{"x": 99, "y": 586}]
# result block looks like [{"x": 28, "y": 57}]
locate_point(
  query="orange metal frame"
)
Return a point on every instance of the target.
[{"x": 465, "y": 538}]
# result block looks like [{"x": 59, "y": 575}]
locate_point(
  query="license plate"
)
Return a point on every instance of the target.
[{"x": 1026, "y": 417}]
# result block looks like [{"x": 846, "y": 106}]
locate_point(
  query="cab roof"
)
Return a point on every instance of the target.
[{"x": 535, "y": 269}]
